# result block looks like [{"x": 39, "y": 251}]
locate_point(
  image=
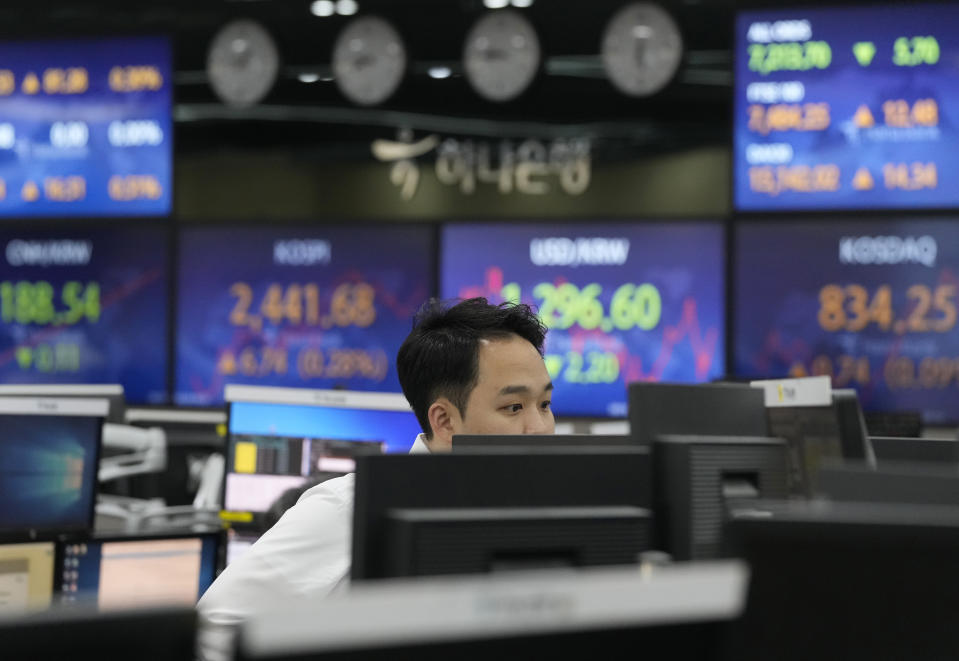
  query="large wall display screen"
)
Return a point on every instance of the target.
[
  {"x": 86, "y": 305},
  {"x": 317, "y": 308},
  {"x": 86, "y": 128},
  {"x": 854, "y": 108},
  {"x": 873, "y": 305},
  {"x": 623, "y": 302}
]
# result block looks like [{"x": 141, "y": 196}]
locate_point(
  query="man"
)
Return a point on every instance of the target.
[{"x": 473, "y": 368}]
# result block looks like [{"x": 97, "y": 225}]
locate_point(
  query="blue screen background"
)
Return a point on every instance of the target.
[
  {"x": 781, "y": 268},
  {"x": 34, "y": 158},
  {"x": 846, "y": 85},
  {"x": 48, "y": 472},
  {"x": 393, "y": 260},
  {"x": 128, "y": 343},
  {"x": 684, "y": 261}
]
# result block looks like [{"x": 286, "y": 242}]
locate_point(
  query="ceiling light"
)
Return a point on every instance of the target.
[
  {"x": 308, "y": 77},
  {"x": 522, "y": 3},
  {"x": 346, "y": 7},
  {"x": 440, "y": 72},
  {"x": 322, "y": 8},
  {"x": 495, "y": 4}
]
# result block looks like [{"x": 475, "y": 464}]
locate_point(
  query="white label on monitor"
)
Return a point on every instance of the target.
[
  {"x": 808, "y": 391},
  {"x": 176, "y": 416},
  {"x": 54, "y": 406},
  {"x": 52, "y": 390},
  {"x": 343, "y": 399}
]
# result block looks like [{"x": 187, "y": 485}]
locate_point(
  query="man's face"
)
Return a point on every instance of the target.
[{"x": 512, "y": 393}]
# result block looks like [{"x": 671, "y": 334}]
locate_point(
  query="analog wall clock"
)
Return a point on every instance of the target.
[
  {"x": 501, "y": 55},
  {"x": 242, "y": 63},
  {"x": 369, "y": 60},
  {"x": 641, "y": 49}
]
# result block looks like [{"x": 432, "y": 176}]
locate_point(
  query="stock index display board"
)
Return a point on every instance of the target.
[
  {"x": 623, "y": 302},
  {"x": 854, "y": 108},
  {"x": 86, "y": 306},
  {"x": 286, "y": 306},
  {"x": 871, "y": 304},
  {"x": 86, "y": 128}
]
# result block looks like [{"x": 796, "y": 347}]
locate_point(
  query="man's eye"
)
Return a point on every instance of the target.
[
  {"x": 514, "y": 408},
  {"x": 545, "y": 405}
]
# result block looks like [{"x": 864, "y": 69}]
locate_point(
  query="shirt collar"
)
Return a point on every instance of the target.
[{"x": 420, "y": 446}]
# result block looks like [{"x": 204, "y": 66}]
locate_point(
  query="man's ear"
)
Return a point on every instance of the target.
[{"x": 444, "y": 420}]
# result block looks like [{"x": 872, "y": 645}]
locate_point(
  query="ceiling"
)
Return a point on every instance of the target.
[{"x": 571, "y": 93}]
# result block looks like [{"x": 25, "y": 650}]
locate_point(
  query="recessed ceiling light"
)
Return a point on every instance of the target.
[
  {"x": 347, "y": 7},
  {"x": 323, "y": 8},
  {"x": 495, "y": 4},
  {"x": 308, "y": 77},
  {"x": 440, "y": 72}
]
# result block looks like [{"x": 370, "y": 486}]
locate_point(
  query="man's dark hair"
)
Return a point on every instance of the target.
[{"x": 440, "y": 357}]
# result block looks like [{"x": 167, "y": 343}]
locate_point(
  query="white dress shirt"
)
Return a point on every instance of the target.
[{"x": 305, "y": 555}]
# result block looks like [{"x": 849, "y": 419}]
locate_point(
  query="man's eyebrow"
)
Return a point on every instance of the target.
[{"x": 522, "y": 389}]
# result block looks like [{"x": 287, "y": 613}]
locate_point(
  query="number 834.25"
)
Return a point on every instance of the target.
[{"x": 852, "y": 308}]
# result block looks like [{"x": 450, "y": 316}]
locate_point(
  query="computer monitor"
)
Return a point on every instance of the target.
[
  {"x": 112, "y": 392},
  {"x": 49, "y": 452},
  {"x": 717, "y": 409},
  {"x": 183, "y": 426},
  {"x": 137, "y": 572},
  {"x": 26, "y": 577},
  {"x": 530, "y": 442},
  {"x": 481, "y": 511},
  {"x": 893, "y": 423},
  {"x": 818, "y": 434},
  {"x": 279, "y": 438},
  {"x": 850, "y": 581},
  {"x": 889, "y": 449},
  {"x": 903, "y": 482},
  {"x": 668, "y": 612},
  {"x": 697, "y": 479},
  {"x": 147, "y": 635}
]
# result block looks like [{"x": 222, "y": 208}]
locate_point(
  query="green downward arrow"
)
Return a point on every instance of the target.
[{"x": 864, "y": 52}]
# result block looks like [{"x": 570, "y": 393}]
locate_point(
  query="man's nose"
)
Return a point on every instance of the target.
[{"x": 536, "y": 423}]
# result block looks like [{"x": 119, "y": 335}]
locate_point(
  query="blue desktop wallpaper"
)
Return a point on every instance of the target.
[
  {"x": 624, "y": 301},
  {"x": 86, "y": 306},
  {"x": 847, "y": 108},
  {"x": 48, "y": 472},
  {"x": 871, "y": 304},
  {"x": 317, "y": 308},
  {"x": 86, "y": 127}
]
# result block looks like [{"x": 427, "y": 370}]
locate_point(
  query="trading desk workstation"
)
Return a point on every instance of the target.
[
  {"x": 702, "y": 532},
  {"x": 756, "y": 452}
]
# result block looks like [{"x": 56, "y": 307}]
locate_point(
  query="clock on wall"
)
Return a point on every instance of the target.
[
  {"x": 242, "y": 63},
  {"x": 501, "y": 55},
  {"x": 641, "y": 49},
  {"x": 369, "y": 60}
]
